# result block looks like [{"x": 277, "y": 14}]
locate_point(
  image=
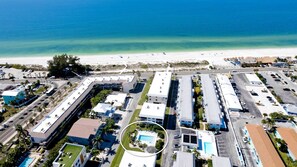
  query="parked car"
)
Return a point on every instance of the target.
[
  {"x": 269, "y": 87},
  {"x": 176, "y": 136},
  {"x": 286, "y": 89}
]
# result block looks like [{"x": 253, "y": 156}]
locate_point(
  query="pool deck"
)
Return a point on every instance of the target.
[
  {"x": 203, "y": 137},
  {"x": 207, "y": 137},
  {"x": 35, "y": 158},
  {"x": 148, "y": 133}
]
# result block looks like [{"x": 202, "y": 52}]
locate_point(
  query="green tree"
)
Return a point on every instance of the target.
[
  {"x": 159, "y": 144},
  {"x": 1, "y": 147},
  {"x": 100, "y": 97},
  {"x": 282, "y": 145},
  {"x": 20, "y": 130},
  {"x": 65, "y": 65},
  {"x": 31, "y": 121},
  {"x": 109, "y": 125},
  {"x": 96, "y": 141},
  {"x": 196, "y": 153}
]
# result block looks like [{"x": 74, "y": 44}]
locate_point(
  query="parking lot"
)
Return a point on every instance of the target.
[
  {"x": 250, "y": 108},
  {"x": 281, "y": 86}
]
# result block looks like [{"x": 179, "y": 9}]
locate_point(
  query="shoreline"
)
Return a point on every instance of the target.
[{"x": 213, "y": 56}]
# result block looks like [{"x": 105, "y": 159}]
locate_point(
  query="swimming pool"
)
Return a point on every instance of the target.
[
  {"x": 27, "y": 162},
  {"x": 145, "y": 138},
  {"x": 199, "y": 144},
  {"x": 208, "y": 148}
]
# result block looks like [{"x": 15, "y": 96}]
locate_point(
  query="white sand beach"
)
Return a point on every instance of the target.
[{"x": 214, "y": 57}]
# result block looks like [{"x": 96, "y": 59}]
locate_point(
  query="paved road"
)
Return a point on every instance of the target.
[
  {"x": 172, "y": 127},
  {"x": 26, "y": 114},
  {"x": 22, "y": 118},
  {"x": 135, "y": 98},
  {"x": 245, "y": 96}
]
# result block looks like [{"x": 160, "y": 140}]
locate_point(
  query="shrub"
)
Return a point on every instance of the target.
[{"x": 161, "y": 135}]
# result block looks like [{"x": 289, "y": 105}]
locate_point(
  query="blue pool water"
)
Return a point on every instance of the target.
[
  {"x": 26, "y": 162},
  {"x": 208, "y": 148},
  {"x": 199, "y": 144},
  {"x": 146, "y": 138}
]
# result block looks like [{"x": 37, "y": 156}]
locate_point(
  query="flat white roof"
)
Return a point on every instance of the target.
[
  {"x": 117, "y": 100},
  {"x": 210, "y": 100},
  {"x": 265, "y": 105},
  {"x": 253, "y": 78},
  {"x": 221, "y": 162},
  {"x": 13, "y": 92},
  {"x": 160, "y": 85},
  {"x": 137, "y": 159},
  {"x": 186, "y": 108},
  {"x": 59, "y": 110},
  {"x": 227, "y": 90},
  {"x": 152, "y": 110},
  {"x": 184, "y": 159},
  {"x": 102, "y": 108}
]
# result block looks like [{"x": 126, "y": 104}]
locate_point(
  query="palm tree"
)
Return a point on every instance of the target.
[
  {"x": 31, "y": 121},
  {"x": 96, "y": 141},
  {"x": 264, "y": 121},
  {"x": 1, "y": 147},
  {"x": 196, "y": 153},
  {"x": 39, "y": 109},
  {"x": 265, "y": 115},
  {"x": 20, "y": 130},
  {"x": 270, "y": 123}
]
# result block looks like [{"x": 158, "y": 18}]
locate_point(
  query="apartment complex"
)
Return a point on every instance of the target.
[
  {"x": 84, "y": 130},
  {"x": 289, "y": 135},
  {"x": 153, "y": 112},
  {"x": 185, "y": 103},
  {"x": 46, "y": 128},
  {"x": 71, "y": 155},
  {"x": 16, "y": 95},
  {"x": 184, "y": 159},
  {"x": 138, "y": 159},
  {"x": 213, "y": 112},
  {"x": 228, "y": 93},
  {"x": 263, "y": 151},
  {"x": 159, "y": 89}
]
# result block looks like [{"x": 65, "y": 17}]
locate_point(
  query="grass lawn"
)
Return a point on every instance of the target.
[
  {"x": 145, "y": 91},
  {"x": 69, "y": 160},
  {"x": 120, "y": 152},
  {"x": 40, "y": 90},
  {"x": 10, "y": 111},
  {"x": 201, "y": 126},
  {"x": 283, "y": 155},
  {"x": 159, "y": 161}
]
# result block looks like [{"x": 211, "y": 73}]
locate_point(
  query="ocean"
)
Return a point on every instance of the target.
[{"x": 49, "y": 27}]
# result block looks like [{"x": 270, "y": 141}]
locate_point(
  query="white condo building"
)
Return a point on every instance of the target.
[
  {"x": 185, "y": 103},
  {"x": 159, "y": 89},
  {"x": 227, "y": 91},
  {"x": 46, "y": 128},
  {"x": 153, "y": 112}
]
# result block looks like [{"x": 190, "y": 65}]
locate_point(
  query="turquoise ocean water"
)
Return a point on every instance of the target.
[{"x": 48, "y": 27}]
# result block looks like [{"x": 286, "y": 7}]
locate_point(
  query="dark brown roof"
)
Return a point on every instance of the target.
[
  {"x": 84, "y": 127},
  {"x": 265, "y": 149}
]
